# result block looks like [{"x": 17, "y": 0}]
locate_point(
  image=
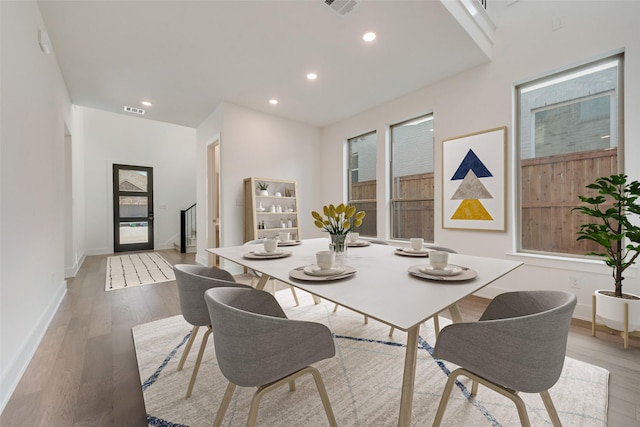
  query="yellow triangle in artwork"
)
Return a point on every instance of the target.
[{"x": 471, "y": 209}]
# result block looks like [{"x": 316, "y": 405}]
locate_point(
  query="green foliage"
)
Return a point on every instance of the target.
[
  {"x": 612, "y": 208},
  {"x": 262, "y": 186}
]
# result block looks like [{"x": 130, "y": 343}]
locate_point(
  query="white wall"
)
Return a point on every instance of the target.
[
  {"x": 526, "y": 46},
  {"x": 110, "y": 138},
  {"x": 34, "y": 108},
  {"x": 259, "y": 145}
]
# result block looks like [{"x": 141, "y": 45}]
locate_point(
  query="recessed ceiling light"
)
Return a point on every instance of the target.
[
  {"x": 146, "y": 103},
  {"x": 312, "y": 76},
  {"x": 369, "y": 37},
  {"x": 273, "y": 101}
]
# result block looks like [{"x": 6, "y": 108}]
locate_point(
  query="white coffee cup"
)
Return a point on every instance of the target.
[
  {"x": 270, "y": 245},
  {"x": 325, "y": 259},
  {"x": 353, "y": 237},
  {"x": 417, "y": 243},
  {"x": 439, "y": 259},
  {"x": 284, "y": 236}
]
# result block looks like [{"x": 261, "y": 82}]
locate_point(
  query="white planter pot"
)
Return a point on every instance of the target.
[
  {"x": 264, "y": 193},
  {"x": 610, "y": 311}
]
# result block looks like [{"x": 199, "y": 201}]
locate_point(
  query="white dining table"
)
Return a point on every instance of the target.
[{"x": 381, "y": 288}]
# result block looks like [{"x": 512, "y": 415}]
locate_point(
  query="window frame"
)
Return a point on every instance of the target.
[
  {"x": 393, "y": 200},
  {"x": 616, "y": 134},
  {"x": 350, "y": 170}
]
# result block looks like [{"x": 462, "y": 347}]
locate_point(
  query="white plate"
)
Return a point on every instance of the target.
[
  {"x": 290, "y": 243},
  {"x": 458, "y": 278},
  {"x": 414, "y": 251},
  {"x": 450, "y": 270},
  {"x": 358, "y": 244},
  {"x": 314, "y": 270},
  {"x": 299, "y": 274},
  {"x": 404, "y": 252},
  {"x": 265, "y": 253}
]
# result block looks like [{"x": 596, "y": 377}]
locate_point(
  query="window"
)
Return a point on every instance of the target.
[
  {"x": 568, "y": 136},
  {"x": 412, "y": 179},
  {"x": 362, "y": 180}
]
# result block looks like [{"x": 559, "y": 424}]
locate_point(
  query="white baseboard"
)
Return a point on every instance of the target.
[
  {"x": 16, "y": 367},
  {"x": 72, "y": 271}
]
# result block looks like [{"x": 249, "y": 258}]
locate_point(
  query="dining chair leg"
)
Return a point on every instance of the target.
[
  {"x": 187, "y": 347},
  {"x": 508, "y": 393},
  {"x": 366, "y": 319},
  {"x": 261, "y": 391},
  {"x": 551, "y": 409},
  {"x": 391, "y": 329},
  {"x": 324, "y": 396},
  {"x": 198, "y": 360},
  {"x": 335, "y": 308},
  {"x": 444, "y": 400},
  {"x": 226, "y": 399},
  {"x": 436, "y": 325},
  {"x": 295, "y": 296}
]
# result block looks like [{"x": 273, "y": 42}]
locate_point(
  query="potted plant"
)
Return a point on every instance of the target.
[
  {"x": 262, "y": 187},
  {"x": 613, "y": 229}
]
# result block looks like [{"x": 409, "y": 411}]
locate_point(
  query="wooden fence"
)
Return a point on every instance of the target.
[
  {"x": 550, "y": 189},
  {"x": 413, "y": 217}
]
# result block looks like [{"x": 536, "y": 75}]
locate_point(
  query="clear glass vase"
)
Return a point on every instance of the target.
[{"x": 338, "y": 244}]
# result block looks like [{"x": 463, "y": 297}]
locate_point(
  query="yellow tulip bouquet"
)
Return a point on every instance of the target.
[{"x": 339, "y": 219}]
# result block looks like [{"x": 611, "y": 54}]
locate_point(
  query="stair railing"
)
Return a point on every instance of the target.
[{"x": 187, "y": 227}]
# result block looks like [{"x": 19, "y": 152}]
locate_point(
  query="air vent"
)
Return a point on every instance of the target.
[
  {"x": 133, "y": 110},
  {"x": 341, "y": 6}
]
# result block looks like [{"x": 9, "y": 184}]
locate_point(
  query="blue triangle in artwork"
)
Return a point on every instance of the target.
[{"x": 471, "y": 162}]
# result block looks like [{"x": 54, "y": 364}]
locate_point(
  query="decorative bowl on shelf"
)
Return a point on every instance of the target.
[{"x": 260, "y": 209}]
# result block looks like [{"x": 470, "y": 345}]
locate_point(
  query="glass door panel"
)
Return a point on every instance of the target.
[{"x": 133, "y": 208}]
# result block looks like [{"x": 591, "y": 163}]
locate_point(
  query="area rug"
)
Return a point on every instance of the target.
[
  {"x": 363, "y": 381},
  {"x": 125, "y": 271}
]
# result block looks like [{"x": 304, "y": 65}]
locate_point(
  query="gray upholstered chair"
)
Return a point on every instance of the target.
[
  {"x": 192, "y": 281},
  {"x": 518, "y": 345},
  {"x": 256, "y": 276},
  {"x": 257, "y": 346}
]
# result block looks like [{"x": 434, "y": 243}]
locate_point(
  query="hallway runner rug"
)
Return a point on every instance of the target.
[
  {"x": 135, "y": 269},
  {"x": 363, "y": 381}
]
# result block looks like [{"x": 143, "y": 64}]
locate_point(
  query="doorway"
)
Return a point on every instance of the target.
[
  {"x": 213, "y": 198},
  {"x": 132, "y": 208}
]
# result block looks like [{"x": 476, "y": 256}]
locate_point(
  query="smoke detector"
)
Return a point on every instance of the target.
[
  {"x": 341, "y": 6},
  {"x": 133, "y": 110}
]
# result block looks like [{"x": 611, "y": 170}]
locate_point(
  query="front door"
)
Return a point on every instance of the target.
[{"x": 132, "y": 208}]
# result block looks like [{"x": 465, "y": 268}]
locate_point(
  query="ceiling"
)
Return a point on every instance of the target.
[{"x": 187, "y": 57}]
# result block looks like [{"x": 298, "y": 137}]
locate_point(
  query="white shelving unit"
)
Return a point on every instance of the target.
[{"x": 268, "y": 215}]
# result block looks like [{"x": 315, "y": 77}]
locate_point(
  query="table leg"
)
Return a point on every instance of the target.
[
  {"x": 409, "y": 377},
  {"x": 456, "y": 315},
  {"x": 264, "y": 278}
]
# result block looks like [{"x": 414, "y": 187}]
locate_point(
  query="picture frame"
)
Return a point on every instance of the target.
[{"x": 474, "y": 181}]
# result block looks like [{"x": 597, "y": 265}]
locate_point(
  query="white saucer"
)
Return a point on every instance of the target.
[
  {"x": 289, "y": 242},
  {"x": 261, "y": 252},
  {"x": 413, "y": 251},
  {"x": 359, "y": 243},
  {"x": 314, "y": 270},
  {"x": 449, "y": 270}
]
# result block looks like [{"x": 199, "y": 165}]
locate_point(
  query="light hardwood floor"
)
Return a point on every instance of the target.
[{"x": 84, "y": 372}]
